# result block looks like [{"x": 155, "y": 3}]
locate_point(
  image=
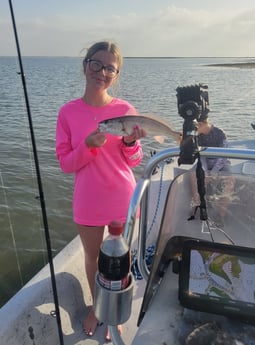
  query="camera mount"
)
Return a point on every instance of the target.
[{"x": 192, "y": 103}]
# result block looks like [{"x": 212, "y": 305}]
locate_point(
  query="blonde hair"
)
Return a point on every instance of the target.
[{"x": 105, "y": 46}]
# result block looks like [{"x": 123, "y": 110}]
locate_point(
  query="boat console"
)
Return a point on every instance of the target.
[{"x": 201, "y": 286}]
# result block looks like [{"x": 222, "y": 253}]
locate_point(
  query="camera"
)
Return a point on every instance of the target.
[{"x": 192, "y": 103}]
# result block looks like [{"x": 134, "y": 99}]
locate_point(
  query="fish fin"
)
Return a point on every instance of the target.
[{"x": 159, "y": 138}]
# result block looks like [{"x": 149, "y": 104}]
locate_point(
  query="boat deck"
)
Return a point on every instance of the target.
[
  {"x": 29, "y": 311},
  {"x": 27, "y": 317}
]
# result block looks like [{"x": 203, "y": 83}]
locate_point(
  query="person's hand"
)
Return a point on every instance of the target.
[
  {"x": 179, "y": 138},
  {"x": 95, "y": 139},
  {"x": 137, "y": 134}
]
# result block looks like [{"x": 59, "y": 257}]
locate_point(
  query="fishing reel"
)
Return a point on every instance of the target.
[{"x": 192, "y": 102}]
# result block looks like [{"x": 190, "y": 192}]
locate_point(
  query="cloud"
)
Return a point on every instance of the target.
[{"x": 172, "y": 31}]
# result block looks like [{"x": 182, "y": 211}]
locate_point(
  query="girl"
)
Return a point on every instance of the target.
[{"x": 100, "y": 162}]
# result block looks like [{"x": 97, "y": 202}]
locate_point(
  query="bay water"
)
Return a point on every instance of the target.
[{"x": 148, "y": 83}]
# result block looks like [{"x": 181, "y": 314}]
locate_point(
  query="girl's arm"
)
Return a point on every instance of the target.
[{"x": 71, "y": 159}]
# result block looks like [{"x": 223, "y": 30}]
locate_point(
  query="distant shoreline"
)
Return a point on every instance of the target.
[
  {"x": 249, "y": 64},
  {"x": 238, "y": 65}
]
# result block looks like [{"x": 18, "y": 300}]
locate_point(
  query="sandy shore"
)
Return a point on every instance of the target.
[{"x": 238, "y": 65}]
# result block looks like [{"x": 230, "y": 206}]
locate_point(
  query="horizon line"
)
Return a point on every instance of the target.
[{"x": 141, "y": 57}]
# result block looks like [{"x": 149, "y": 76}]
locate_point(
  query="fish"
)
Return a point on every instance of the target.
[{"x": 153, "y": 125}]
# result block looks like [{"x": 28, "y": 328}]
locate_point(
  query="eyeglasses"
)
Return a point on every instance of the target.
[{"x": 97, "y": 66}]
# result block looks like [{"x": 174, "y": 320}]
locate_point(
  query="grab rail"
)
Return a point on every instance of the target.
[{"x": 141, "y": 195}]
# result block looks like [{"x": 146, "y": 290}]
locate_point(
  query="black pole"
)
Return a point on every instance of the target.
[
  {"x": 39, "y": 181},
  {"x": 200, "y": 174}
]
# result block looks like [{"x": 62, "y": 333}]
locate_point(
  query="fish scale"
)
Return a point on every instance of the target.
[{"x": 153, "y": 125}]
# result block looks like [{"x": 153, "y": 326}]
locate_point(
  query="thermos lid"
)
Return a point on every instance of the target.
[{"x": 115, "y": 228}]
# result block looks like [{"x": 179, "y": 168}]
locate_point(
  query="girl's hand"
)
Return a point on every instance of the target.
[
  {"x": 95, "y": 139},
  {"x": 137, "y": 134}
]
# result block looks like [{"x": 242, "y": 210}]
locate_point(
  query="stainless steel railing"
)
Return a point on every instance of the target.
[{"x": 141, "y": 196}]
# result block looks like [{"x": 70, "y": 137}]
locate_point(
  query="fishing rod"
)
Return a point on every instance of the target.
[{"x": 39, "y": 181}]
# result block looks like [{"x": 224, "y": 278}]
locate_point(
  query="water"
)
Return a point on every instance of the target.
[{"x": 149, "y": 84}]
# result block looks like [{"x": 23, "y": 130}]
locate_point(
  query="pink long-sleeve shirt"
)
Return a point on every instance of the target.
[{"x": 104, "y": 181}]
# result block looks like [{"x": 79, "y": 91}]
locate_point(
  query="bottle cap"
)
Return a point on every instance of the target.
[{"x": 115, "y": 228}]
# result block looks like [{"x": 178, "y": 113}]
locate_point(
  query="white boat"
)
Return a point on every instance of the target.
[{"x": 157, "y": 316}]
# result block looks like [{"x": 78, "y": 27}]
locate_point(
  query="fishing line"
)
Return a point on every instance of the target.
[
  {"x": 33, "y": 172},
  {"x": 27, "y": 143},
  {"x": 12, "y": 230},
  {"x": 40, "y": 188}
]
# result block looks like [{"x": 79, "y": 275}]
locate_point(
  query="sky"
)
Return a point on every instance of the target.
[{"x": 142, "y": 28}]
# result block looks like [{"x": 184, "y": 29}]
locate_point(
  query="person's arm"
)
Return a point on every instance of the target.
[
  {"x": 220, "y": 162},
  {"x": 133, "y": 154},
  {"x": 70, "y": 159},
  {"x": 131, "y": 147}
]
